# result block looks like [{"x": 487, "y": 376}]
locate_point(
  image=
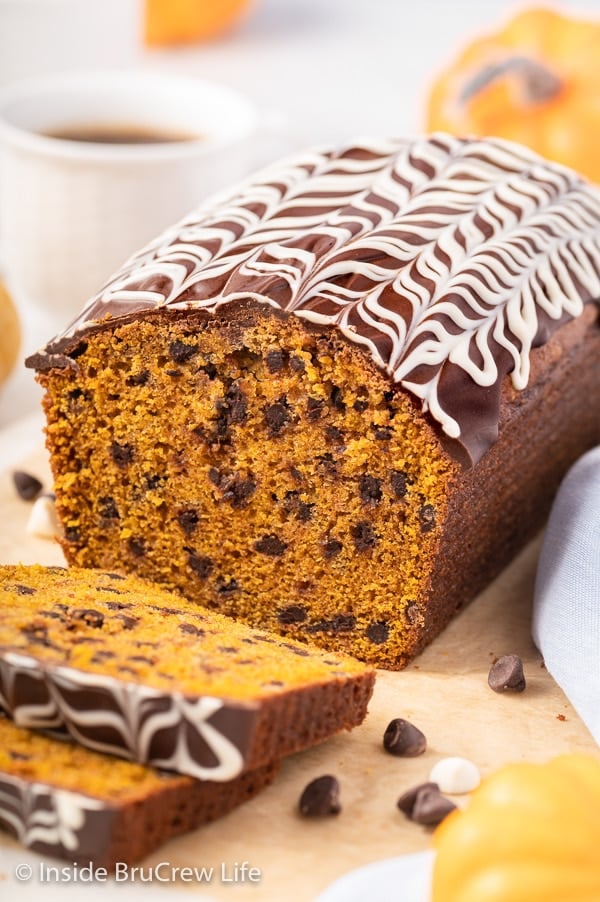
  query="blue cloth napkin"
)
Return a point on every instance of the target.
[{"x": 566, "y": 613}]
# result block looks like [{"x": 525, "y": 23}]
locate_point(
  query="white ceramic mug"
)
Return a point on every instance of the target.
[{"x": 71, "y": 211}]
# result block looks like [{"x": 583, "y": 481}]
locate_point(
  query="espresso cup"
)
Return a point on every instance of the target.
[{"x": 95, "y": 165}]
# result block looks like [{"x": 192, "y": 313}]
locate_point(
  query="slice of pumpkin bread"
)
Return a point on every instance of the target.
[
  {"x": 131, "y": 669},
  {"x": 61, "y": 799}
]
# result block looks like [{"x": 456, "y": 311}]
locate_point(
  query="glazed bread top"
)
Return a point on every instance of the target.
[{"x": 446, "y": 259}]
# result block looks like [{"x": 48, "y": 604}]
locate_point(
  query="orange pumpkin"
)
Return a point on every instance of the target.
[
  {"x": 9, "y": 334},
  {"x": 181, "y": 21},
  {"x": 529, "y": 834},
  {"x": 534, "y": 82}
]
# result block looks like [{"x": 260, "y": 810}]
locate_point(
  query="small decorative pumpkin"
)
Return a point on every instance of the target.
[
  {"x": 530, "y": 833},
  {"x": 10, "y": 334},
  {"x": 534, "y": 82},
  {"x": 182, "y": 21}
]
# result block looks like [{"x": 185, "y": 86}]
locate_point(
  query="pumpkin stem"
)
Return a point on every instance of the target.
[{"x": 537, "y": 81}]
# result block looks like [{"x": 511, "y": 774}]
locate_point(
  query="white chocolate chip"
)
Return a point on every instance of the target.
[
  {"x": 455, "y": 775},
  {"x": 43, "y": 521}
]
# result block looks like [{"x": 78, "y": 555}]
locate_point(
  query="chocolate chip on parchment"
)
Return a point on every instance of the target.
[
  {"x": 403, "y": 739},
  {"x": 320, "y": 798},
  {"x": 431, "y": 807},
  {"x": 507, "y": 674},
  {"x": 28, "y": 486}
]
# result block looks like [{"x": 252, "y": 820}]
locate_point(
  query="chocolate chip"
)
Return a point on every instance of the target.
[
  {"x": 180, "y": 352},
  {"x": 296, "y": 474},
  {"x": 238, "y": 406},
  {"x": 215, "y": 476},
  {"x": 141, "y": 659},
  {"x": 121, "y": 454},
  {"x": 210, "y": 370},
  {"x": 85, "y": 615},
  {"x": 314, "y": 409},
  {"x": 128, "y": 622},
  {"x": 327, "y": 464},
  {"x": 378, "y": 633},
  {"x": 370, "y": 489},
  {"x": 363, "y": 535},
  {"x": 155, "y": 481},
  {"x": 382, "y": 433},
  {"x": 115, "y": 575},
  {"x": 72, "y": 534},
  {"x": 24, "y": 590},
  {"x": 407, "y": 800},
  {"x": 303, "y": 510},
  {"x": 138, "y": 378},
  {"x": 337, "y": 399},
  {"x": 297, "y": 364},
  {"x": 276, "y": 417},
  {"x": 227, "y": 587},
  {"x": 431, "y": 807},
  {"x": 399, "y": 482},
  {"x": 191, "y": 629},
  {"x": 107, "y": 508},
  {"x": 360, "y": 405},
  {"x": 292, "y": 614},
  {"x": 334, "y": 435},
  {"x": 174, "y": 373},
  {"x": 507, "y": 674},
  {"x": 28, "y": 486},
  {"x": 320, "y": 798},
  {"x": 137, "y": 546},
  {"x": 271, "y": 545},
  {"x": 118, "y": 605},
  {"x": 275, "y": 361},
  {"x": 37, "y": 634},
  {"x": 17, "y": 756},
  {"x": 332, "y": 548},
  {"x": 403, "y": 739},
  {"x": 341, "y": 623},
  {"x": 188, "y": 520},
  {"x": 79, "y": 350},
  {"x": 427, "y": 517},
  {"x": 202, "y": 566},
  {"x": 239, "y": 491}
]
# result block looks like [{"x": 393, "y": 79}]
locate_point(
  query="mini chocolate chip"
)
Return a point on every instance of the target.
[
  {"x": 215, "y": 476},
  {"x": 276, "y": 417},
  {"x": 202, "y": 566},
  {"x": 407, "y": 800},
  {"x": 107, "y": 508},
  {"x": 72, "y": 534},
  {"x": 402, "y": 738},
  {"x": 370, "y": 489},
  {"x": 228, "y": 649},
  {"x": 341, "y": 623},
  {"x": 378, "y": 633},
  {"x": 334, "y": 435},
  {"x": 137, "y": 546},
  {"x": 227, "y": 587},
  {"x": 507, "y": 674},
  {"x": 320, "y": 798},
  {"x": 155, "y": 481},
  {"x": 360, "y": 405},
  {"x": 314, "y": 408},
  {"x": 305, "y": 511},
  {"x": 24, "y": 590},
  {"x": 239, "y": 491},
  {"x": 141, "y": 659},
  {"x": 431, "y": 807},
  {"x": 271, "y": 545},
  {"x": 238, "y": 406},
  {"x": 121, "y": 454},
  {"x": 37, "y": 634},
  {"x": 180, "y": 352},
  {"x": 115, "y": 575},
  {"x": 327, "y": 464},
  {"x": 292, "y": 614},
  {"x": 297, "y": 364},
  {"x": 363, "y": 535},
  {"x": 337, "y": 399},
  {"x": 382, "y": 433},
  {"x": 210, "y": 370},
  {"x": 108, "y": 589},
  {"x": 275, "y": 361},
  {"x": 138, "y": 378},
  {"x": 332, "y": 548},
  {"x": 399, "y": 482},
  {"x": 296, "y": 474},
  {"x": 128, "y": 622},
  {"x": 85, "y": 615},
  {"x": 191, "y": 629},
  {"x": 28, "y": 487},
  {"x": 427, "y": 518},
  {"x": 188, "y": 520},
  {"x": 173, "y": 373},
  {"x": 18, "y": 756},
  {"x": 118, "y": 605}
]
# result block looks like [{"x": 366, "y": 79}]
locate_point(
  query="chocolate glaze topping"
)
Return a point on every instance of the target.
[{"x": 446, "y": 259}]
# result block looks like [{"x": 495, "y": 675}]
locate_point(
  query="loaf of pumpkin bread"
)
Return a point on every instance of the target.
[{"x": 337, "y": 400}]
